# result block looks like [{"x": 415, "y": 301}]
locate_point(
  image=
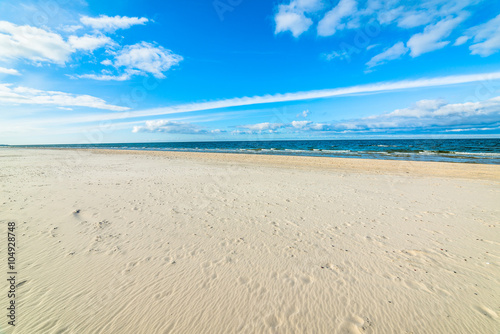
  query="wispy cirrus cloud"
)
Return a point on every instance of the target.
[
  {"x": 337, "y": 18},
  {"x": 427, "y": 25},
  {"x": 380, "y": 87},
  {"x": 394, "y": 52},
  {"x": 432, "y": 37},
  {"x": 486, "y": 38},
  {"x": 112, "y": 23},
  {"x": 89, "y": 42},
  {"x": 9, "y": 71}
]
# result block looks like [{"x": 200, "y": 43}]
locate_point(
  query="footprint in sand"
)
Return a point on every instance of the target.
[
  {"x": 487, "y": 312},
  {"x": 273, "y": 321},
  {"x": 355, "y": 325},
  {"x": 306, "y": 279}
]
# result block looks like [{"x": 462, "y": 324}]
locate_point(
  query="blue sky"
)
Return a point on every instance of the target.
[{"x": 139, "y": 71}]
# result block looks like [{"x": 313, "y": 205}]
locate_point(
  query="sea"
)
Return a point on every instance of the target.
[{"x": 483, "y": 151}]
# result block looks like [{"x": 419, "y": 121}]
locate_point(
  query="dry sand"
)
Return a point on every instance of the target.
[{"x": 214, "y": 243}]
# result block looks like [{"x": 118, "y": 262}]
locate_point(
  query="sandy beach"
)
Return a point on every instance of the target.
[{"x": 164, "y": 242}]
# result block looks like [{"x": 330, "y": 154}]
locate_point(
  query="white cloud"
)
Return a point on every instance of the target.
[
  {"x": 394, "y": 52},
  {"x": 39, "y": 45},
  {"x": 147, "y": 58},
  {"x": 461, "y": 40},
  {"x": 89, "y": 42},
  {"x": 292, "y": 17},
  {"x": 342, "y": 55},
  {"x": 304, "y": 114},
  {"x": 296, "y": 23},
  {"x": 427, "y": 114},
  {"x": 12, "y": 95},
  {"x": 71, "y": 28},
  {"x": 439, "y": 17},
  {"x": 431, "y": 38},
  {"x": 421, "y": 108},
  {"x": 424, "y": 115},
  {"x": 486, "y": 38},
  {"x": 269, "y": 127},
  {"x": 332, "y": 21},
  {"x": 415, "y": 19},
  {"x": 9, "y": 71},
  {"x": 138, "y": 59},
  {"x": 105, "y": 77},
  {"x": 31, "y": 43},
  {"x": 167, "y": 126},
  {"x": 300, "y": 124},
  {"x": 111, "y": 24},
  {"x": 387, "y": 16},
  {"x": 308, "y": 5}
]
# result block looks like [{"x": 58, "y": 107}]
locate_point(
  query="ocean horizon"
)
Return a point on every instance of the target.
[{"x": 485, "y": 151}]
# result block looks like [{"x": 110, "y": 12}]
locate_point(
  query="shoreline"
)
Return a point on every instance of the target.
[{"x": 488, "y": 172}]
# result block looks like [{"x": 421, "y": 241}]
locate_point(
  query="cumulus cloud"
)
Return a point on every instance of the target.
[
  {"x": 296, "y": 23},
  {"x": 89, "y": 42},
  {"x": 429, "y": 114},
  {"x": 394, "y": 52},
  {"x": 300, "y": 124},
  {"x": 167, "y": 126},
  {"x": 292, "y": 17},
  {"x": 138, "y": 59},
  {"x": 334, "y": 19},
  {"x": 434, "y": 19},
  {"x": 39, "y": 45},
  {"x": 9, "y": 71},
  {"x": 147, "y": 58},
  {"x": 432, "y": 37},
  {"x": 33, "y": 44},
  {"x": 10, "y": 94},
  {"x": 111, "y": 24},
  {"x": 262, "y": 127},
  {"x": 486, "y": 38}
]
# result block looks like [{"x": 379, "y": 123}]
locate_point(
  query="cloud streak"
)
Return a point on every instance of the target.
[
  {"x": 111, "y": 24},
  {"x": 394, "y": 52},
  {"x": 9, "y": 71},
  {"x": 12, "y": 95},
  {"x": 381, "y": 87},
  {"x": 299, "y": 96}
]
